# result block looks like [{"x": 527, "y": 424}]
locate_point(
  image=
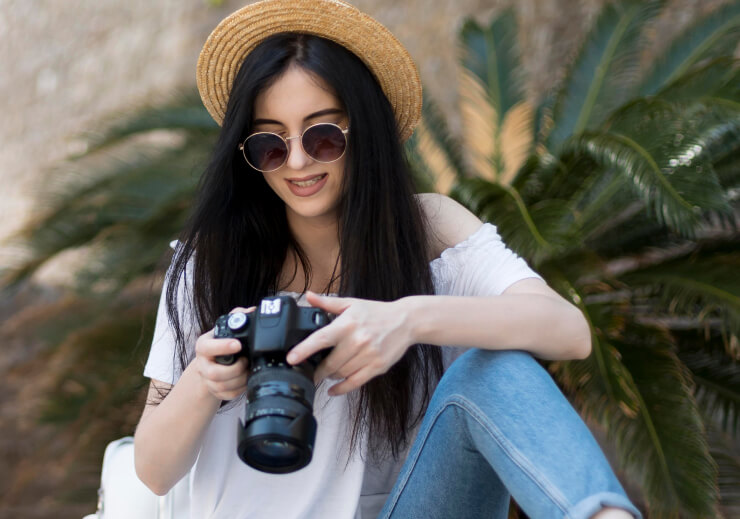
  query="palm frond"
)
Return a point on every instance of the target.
[
  {"x": 136, "y": 195},
  {"x": 606, "y": 65},
  {"x": 497, "y": 122},
  {"x": 663, "y": 445},
  {"x": 480, "y": 127},
  {"x": 184, "y": 112},
  {"x": 437, "y": 149},
  {"x": 660, "y": 152},
  {"x": 517, "y": 138},
  {"x": 712, "y": 36},
  {"x": 492, "y": 55},
  {"x": 725, "y": 453},
  {"x": 716, "y": 375},
  {"x": 536, "y": 232},
  {"x": 700, "y": 286},
  {"x": 715, "y": 83}
]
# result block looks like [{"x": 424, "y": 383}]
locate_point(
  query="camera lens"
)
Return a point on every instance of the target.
[
  {"x": 279, "y": 431},
  {"x": 273, "y": 452}
]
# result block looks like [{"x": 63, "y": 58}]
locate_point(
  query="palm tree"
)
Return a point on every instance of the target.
[
  {"x": 621, "y": 188},
  {"x": 571, "y": 183}
]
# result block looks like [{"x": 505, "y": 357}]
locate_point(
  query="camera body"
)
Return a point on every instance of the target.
[
  {"x": 279, "y": 429},
  {"x": 270, "y": 332}
]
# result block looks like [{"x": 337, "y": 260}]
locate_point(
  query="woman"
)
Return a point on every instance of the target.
[{"x": 307, "y": 193}]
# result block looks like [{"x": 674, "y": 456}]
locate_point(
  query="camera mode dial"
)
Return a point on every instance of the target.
[{"x": 237, "y": 321}]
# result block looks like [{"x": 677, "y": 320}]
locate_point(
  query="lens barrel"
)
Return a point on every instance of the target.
[{"x": 279, "y": 430}]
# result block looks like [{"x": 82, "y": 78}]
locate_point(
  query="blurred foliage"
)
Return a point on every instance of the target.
[{"x": 620, "y": 188}]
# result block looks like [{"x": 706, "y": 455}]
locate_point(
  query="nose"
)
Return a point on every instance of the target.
[{"x": 297, "y": 158}]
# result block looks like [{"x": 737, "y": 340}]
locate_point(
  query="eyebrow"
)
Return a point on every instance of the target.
[{"x": 328, "y": 111}]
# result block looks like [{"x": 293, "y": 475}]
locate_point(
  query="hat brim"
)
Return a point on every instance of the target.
[{"x": 239, "y": 33}]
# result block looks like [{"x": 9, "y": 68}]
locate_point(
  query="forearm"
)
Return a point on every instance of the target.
[
  {"x": 169, "y": 436},
  {"x": 544, "y": 326}
]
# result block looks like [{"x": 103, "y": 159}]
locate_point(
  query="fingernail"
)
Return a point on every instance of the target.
[
  {"x": 235, "y": 346},
  {"x": 291, "y": 357}
]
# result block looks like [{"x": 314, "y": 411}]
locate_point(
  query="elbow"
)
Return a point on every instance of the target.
[
  {"x": 144, "y": 474},
  {"x": 580, "y": 336},
  {"x": 155, "y": 486}
]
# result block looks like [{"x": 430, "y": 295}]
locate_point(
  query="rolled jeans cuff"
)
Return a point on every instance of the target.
[{"x": 592, "y": 504}]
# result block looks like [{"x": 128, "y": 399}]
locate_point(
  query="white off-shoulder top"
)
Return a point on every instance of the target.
[{"x": 337, "y": 483}]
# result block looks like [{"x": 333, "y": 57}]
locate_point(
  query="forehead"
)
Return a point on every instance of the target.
[{"x": 293, "y": 95}]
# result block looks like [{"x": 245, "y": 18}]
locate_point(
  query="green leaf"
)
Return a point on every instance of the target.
[
  {"x": 725, "y": 453},
  {"x": 716, "y": 375},
  {"x": 434, "y": 152},
  {"x": 714, "y": 84},
  {"x": 664, "y": 444},
  {"x": 660, "y": 152},
  {"x": 700, "y": 286},
  {"x": 536, "y": 232},
  {"x": 712, "y": 36},
  {"x": 492, "y": 55},
  {"x": 185, "y": 112},
  {"x": 135, "y": 193},
  {"x": 606, "y": 65}
]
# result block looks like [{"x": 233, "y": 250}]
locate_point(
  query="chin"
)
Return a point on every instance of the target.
[{"x": 312, "y": 210}]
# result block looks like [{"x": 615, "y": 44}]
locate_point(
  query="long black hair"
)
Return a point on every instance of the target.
[{"x": 237, "y": 238}]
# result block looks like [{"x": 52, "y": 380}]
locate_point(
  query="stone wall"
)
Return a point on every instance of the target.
[{"x": 67, "y": 64}]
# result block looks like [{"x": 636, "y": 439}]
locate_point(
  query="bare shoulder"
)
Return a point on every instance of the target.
[{"x": 449, "y": 222}]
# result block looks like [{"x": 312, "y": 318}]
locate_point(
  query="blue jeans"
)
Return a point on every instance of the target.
[{"x": 498, "y": 426}]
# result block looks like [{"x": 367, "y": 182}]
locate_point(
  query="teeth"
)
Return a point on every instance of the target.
[{"x": 307, "y": 183}]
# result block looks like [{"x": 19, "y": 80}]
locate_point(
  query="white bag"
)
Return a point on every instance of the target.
[{"x": 122, "y": 495}]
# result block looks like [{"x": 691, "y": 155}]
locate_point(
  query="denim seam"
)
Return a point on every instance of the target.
[{"x": 512, "y": 452}]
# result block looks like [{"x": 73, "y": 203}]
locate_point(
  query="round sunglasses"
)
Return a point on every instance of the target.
[{"x": 267, "y": 151}]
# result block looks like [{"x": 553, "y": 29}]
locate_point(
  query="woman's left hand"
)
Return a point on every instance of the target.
[{"x": 368, "y": 338}]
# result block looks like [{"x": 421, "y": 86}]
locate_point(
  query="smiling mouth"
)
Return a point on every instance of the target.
[{"x": 308, "y": 183}]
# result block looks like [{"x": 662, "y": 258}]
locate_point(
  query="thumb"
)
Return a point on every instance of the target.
[{"x": 333, "y": 305}]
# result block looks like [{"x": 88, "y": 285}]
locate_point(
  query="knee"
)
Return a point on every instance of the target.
[
  {"x": 492, "y": 363},
  {"x": 505, "y": 372}
]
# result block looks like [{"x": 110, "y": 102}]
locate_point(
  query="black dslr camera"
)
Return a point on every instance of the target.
[{"x": 279, "y": 429}]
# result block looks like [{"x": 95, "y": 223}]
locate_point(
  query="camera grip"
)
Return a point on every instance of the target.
[{"x": 226, "y": 360}]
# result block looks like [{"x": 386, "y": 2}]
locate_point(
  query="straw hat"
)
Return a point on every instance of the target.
[{"x": 239, "y": 33}]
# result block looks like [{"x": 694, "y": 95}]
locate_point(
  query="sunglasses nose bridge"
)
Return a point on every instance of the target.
[{"x": 303, "y": 158}]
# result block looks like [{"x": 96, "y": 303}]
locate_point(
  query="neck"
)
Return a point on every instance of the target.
[
  {"x": 317, "y": 236},
  {"x": 319, "y": 239}
]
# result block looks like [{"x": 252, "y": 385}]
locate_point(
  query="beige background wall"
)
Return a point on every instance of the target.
[{"x": 66, "y": 64}]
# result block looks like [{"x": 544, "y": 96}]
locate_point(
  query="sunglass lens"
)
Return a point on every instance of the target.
[
  {"x": 324, "y": 142},
  {"x": 265, "y": 152}
]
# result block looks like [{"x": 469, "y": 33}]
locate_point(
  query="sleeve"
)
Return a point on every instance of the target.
[
  {"x": 481, "y": 265},
  {"x": 163, "y": 363}
]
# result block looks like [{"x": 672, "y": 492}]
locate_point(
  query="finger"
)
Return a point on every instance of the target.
[
  {"x": 207, "y": 346},
  {"x": 233, "y": 387},
  {"x": 333, "y": 305},
  {"x": 243, "y": 310},
  {"x": 340, "y": 363},
  {"x": 317, "y": 341},
  {"x": 354, "y": 381},
  {"x": 354, "y": 365},
  {"x": 220, "y": 373},
  {"x": 224, "y": 393}
]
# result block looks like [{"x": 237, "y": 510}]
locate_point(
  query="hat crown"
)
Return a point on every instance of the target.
[{"x": 239, "y": 33}]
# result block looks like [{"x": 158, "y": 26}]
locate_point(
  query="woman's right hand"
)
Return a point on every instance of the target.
[{"x": 223, "y": 382}]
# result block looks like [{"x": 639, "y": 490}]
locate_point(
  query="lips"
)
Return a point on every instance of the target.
[
  {"x": 306, "y": 186},
  {"x": 306, "y": 181}
]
